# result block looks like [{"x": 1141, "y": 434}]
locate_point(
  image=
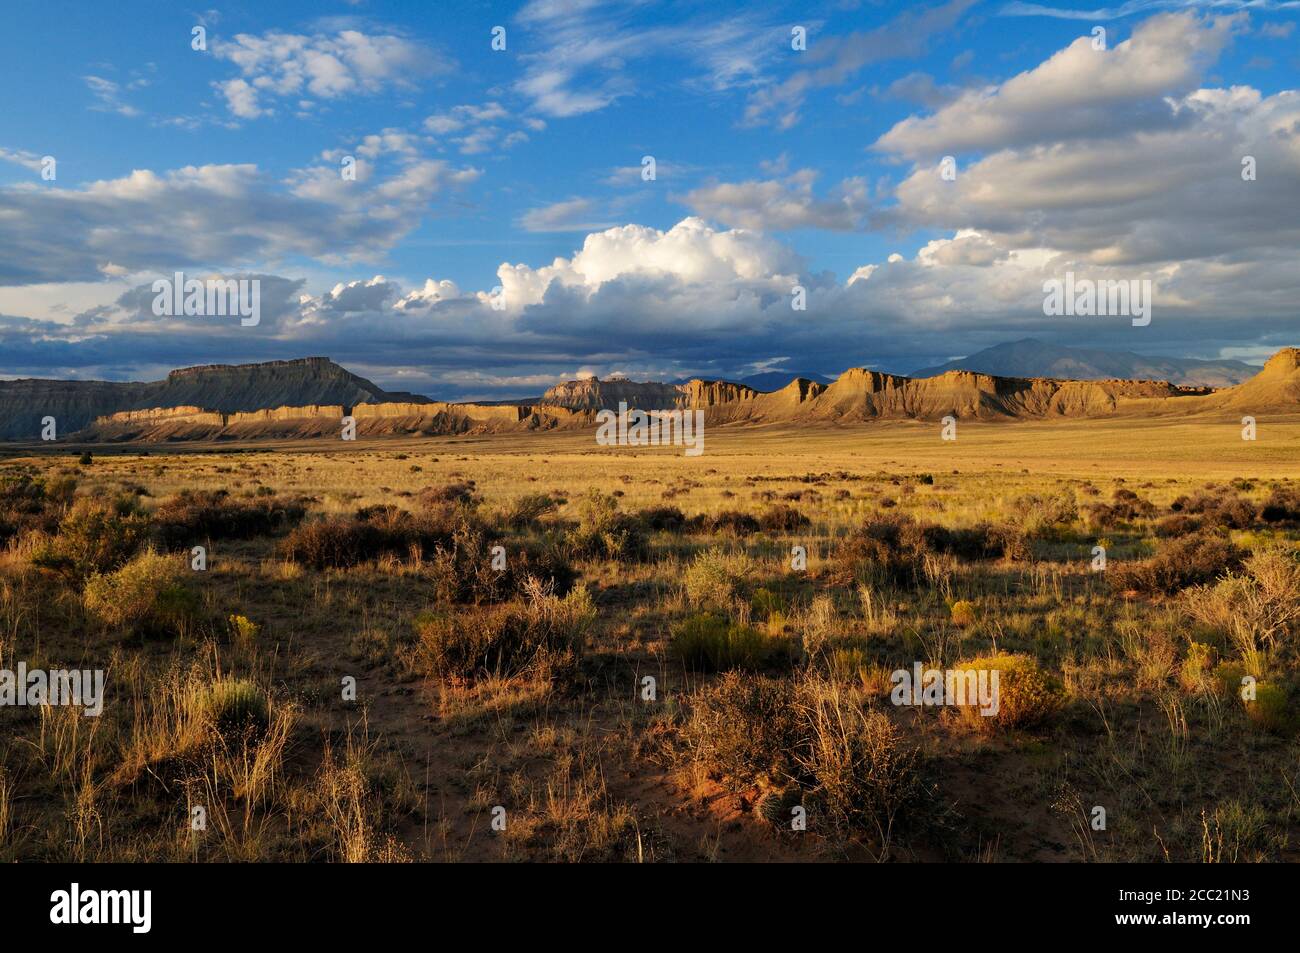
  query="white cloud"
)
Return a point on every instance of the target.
[
  {"x": 574, "y": 215},
  {"x": 108, "y": 96},
  {"x": 1080, "y": 92},
  {"x": 216, "y": 215},
  {"x": 782, "y": 204},
  {"x": 28, "y": 160},
  {"x": 317, "y": 66}
]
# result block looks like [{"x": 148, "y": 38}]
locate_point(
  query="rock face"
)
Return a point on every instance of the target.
[
  {"x": 221, "y": 388},
  {"x": 1031, "y": 358},
  {"x": 595, "y": 394},
  {"x": 857, "y": 396}
]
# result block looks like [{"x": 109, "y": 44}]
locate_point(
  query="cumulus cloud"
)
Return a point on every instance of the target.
[
  {"x": 690, "y": 300},
  {"x": 1079, "y": 93},
  {"x": 212, "y": 215},
  {"x": 277, "y": 65},
  {"x": 477, "y": 128},
  {"x": 1139, "y": 195},
  {"x": 780, "y": 204}
]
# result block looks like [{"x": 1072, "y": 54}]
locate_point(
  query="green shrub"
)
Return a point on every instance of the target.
[
  {"x": 715, "y": 576},
  {"x": 605, "y": 533},
  {"x": 1270, "y": 710},
  {"x": 963, "y": 614},
  {"x": 146, "y": 595},
  {"x": 236, "y": 707},
  {"x": 1228, "y": 677},
  {"x": 1196, "y": 673},
  {"x": 93, "y": 537},
  {"x": 1027, "y": 696},
  {"x": 707, "y": 642}
]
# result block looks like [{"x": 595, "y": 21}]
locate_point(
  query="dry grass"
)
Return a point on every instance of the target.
[{"x": 478, "y": 687}]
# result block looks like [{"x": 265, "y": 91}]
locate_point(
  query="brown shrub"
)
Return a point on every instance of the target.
[
  {"x": 539, "y": 635},
  {"x": 782, "y": 519},
  {"x": 1183, "y": 562},
  {"x": 194, "y": 515}
]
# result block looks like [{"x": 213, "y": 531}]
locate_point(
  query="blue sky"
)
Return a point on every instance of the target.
[{"x": 521, "y": 169}]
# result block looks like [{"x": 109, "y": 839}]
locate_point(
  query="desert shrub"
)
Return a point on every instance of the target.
[
  {"x": 146, "y": 594},
  {"x": 527, "y": 511},
  {"x": 1179, "y": 563},
  {"x": 1026, "y": 695},
  {"x": 1258, "y": 608},
  {"x": 457, "y": 493},
  {"x": 963, "y": 613},
  {"x": 975, "y": 542},
  {"x": 1231, "y": 512},
  {"x": 1281, "y": 508},
  {"x": 338, "y": 542},
  {"x": 1045, "y": 517},
  {"x": 746, "y": 728},
  {"x": 1176, "y": 525},
  {"x": 31, "y": 504},
  {"x": 808, "y": 743},
  {"x": 859, "y": 770},
  {"x": 194, "y": 515},
  {"x": 432, "y": 526},
  {"x": 335, "y": 543},
  {"x": 715, "y": 577},
  {"x": 605, "y": 533},
  {"x": 782, "y": 518},
  {"x": 92, "y": 537},
  {"x": 884, "y": 552},
  {"x": 21, "y": 493},
  {"x": 463, "y": 568},
  {"x": 236, "y": 707},
  {"x": 709, "y": 642},
  {"x": 666, "y": 518},
  {"x": 1101, "y": 516},
  {"x": 539, "y": 635},
  {"x": 1270, "y": 710},
  {"x": 1197, "y": 671},
  {"x": 732, "y": 522}
]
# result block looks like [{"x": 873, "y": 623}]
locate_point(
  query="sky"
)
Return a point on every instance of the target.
[{"x": 477, "y": 200}]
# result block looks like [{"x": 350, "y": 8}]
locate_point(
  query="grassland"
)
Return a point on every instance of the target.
[{"x": 523, "y": 689}]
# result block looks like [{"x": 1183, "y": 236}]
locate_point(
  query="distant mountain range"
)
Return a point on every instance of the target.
[
  {"x": 225, "y": 388},
  {"x": 1032, "y": 358},
  {"x": 308, "y": 397}
]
